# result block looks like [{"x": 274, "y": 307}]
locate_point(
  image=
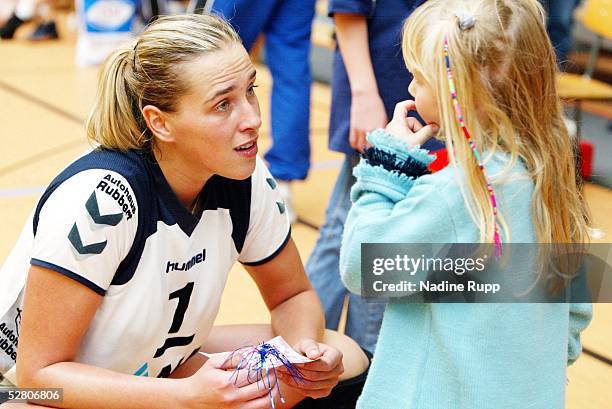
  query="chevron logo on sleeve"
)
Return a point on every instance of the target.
[
  {"x": 75, "y": 239},
  {"x": 281, "y": 207},
  {"x": 94, "y": 211},
  {"x": 271, "y": 183}
]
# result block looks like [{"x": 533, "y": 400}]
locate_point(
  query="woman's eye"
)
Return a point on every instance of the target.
[{"x": 222, "y": 106}]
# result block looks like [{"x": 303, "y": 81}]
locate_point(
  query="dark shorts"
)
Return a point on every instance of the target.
[{"x": 343, "y": 396}]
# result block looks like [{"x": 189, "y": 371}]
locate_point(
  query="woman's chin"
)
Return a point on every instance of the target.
[{"x": 240, "y": 171}]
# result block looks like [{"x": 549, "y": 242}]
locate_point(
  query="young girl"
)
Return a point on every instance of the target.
[{"x": 484, "y": 77}]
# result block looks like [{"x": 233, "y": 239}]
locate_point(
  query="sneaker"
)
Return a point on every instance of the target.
[
  {"x": 45, "y": 31},
  {"x": 284, "y": 189},
  {"x": 7, "y": 31}
]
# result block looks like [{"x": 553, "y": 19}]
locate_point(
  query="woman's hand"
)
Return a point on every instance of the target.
[
  {"x": 367, "y": 113},
  {"x": 214, "y": 386},
  {"x": 318, "y": 377},
  {"x": 409, "y": 129}
]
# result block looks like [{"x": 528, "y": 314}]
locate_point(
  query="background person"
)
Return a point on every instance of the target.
[
  {"x": 369, "y": 78},
  {"x": 287, "y": 26},
  {"x": 40, "y": 10}
]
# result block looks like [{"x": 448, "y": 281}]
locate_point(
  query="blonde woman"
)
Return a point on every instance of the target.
[
  {"x": 484, "y": 81},
  {"x": 127, "y": 252}
]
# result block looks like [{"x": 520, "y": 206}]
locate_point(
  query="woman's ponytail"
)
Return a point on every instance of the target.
[{"x": 114, "y": 121}]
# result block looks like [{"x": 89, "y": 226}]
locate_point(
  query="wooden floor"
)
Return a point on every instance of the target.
[{"x": 44, "y": 100}]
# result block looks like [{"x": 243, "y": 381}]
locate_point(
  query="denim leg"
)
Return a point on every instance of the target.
[
  {"x": 287, "y": 48},
  {"x": 559, "y": 25},
  {"x": 364, "y": 318},
  {"x": 322, "y": 266}
]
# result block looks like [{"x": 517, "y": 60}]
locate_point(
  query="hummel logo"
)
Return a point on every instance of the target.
[{"x": 197, "y": 259}]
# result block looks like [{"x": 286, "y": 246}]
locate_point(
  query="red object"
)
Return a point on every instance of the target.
[
  {"x": 586, "y": 152},
  {"x": 440, "y": 162}
]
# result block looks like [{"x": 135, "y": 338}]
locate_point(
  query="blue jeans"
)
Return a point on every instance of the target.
[
  {"x": 559, "y": 25},
  {"x": 286, "y": 25},
  {"x": 363, "y": 318}
]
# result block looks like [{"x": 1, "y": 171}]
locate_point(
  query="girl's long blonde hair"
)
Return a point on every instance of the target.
[
  {"x": 504, "y": 72},
  {"x": 148, "y": 73}
]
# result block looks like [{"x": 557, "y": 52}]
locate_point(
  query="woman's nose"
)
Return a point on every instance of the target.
[{"x": 251, "y": 117}]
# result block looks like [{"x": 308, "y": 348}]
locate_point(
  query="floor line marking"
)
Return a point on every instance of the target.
[
  {"x": 21, "y": 192},
  {"x": 42, "y": 103}
]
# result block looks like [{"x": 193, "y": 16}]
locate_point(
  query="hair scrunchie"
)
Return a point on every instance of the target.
[{"x": 466, "y": 19}]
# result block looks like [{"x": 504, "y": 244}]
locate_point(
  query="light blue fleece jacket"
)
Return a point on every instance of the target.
[{"x": 455, "y": 356}]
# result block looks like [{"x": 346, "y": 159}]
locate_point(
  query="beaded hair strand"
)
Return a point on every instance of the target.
[{"x": 466, "y": 133}]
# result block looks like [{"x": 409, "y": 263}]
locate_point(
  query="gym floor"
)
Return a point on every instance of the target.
[{"x": 44, "y": 100}]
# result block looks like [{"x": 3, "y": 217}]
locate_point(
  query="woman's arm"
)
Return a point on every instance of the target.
[
  {"x": 288, "y": 294},
  {"x": 297, "y": 315},
  {"x": 57, "y": 313},
  {"x": 367, "y": 109}
]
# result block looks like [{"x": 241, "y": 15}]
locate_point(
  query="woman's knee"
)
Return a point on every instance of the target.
[{"x": 355, "y": 361}]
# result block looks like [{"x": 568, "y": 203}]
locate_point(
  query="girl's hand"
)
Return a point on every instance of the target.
[
  {"x": 320, "y": 376},
  {"x": 407, "y": 128},
  {"x": 367, "y": 113},
  {"x": 214, "y": 386}
]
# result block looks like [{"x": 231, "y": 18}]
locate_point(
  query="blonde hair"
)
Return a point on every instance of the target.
[
  {"x": 504, "y": 72},
  {"x": 148, "y": 73}
]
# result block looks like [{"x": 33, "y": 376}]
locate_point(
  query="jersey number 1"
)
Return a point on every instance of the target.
[{"x": 183, "y": 295}]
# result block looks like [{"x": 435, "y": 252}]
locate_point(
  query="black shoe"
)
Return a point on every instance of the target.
[
  {"x": 8, "y": 30},
  {"x": 45, "y": 31}
]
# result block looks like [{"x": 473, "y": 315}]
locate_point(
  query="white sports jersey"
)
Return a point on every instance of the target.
[{"x": 111, "y": 222}]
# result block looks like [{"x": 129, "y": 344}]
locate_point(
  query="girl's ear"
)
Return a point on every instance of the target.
[{"x": 157, "y": 122}]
